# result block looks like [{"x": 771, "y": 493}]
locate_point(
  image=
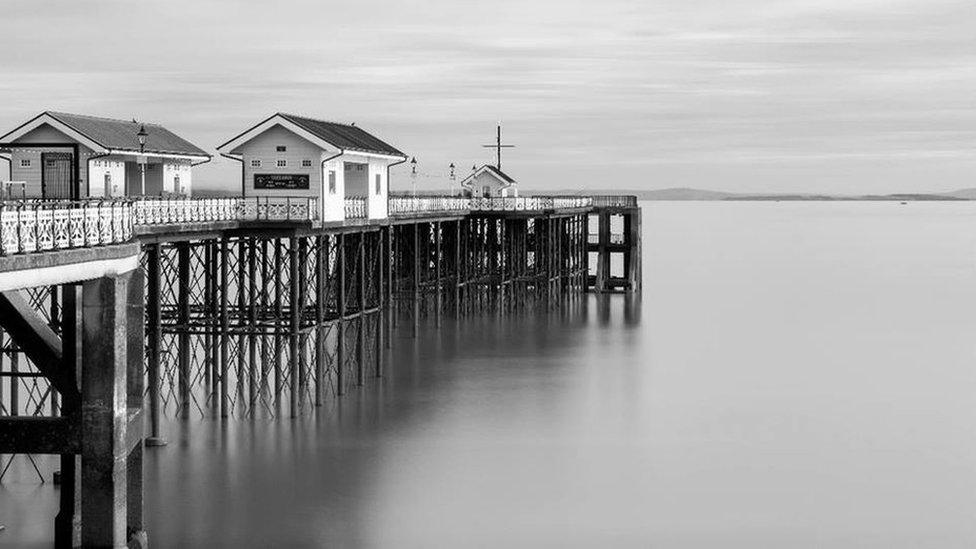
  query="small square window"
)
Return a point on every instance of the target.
[
  {"x": 306, "y": 163},
  {"x": 332, "y": 182},
  {"x": 255, "y": 163},
  {"x": 281, "y": 163},
  {"x": 379, "y": 183},
  {"x": 281, "y": 148},
  {"x": 25, "y": 162}
]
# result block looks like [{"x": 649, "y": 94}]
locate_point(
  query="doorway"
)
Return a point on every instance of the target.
[{"x": 57, "y": 176}]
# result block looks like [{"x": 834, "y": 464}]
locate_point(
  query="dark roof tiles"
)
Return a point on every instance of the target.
[
  {"x": 121, "y": 134},
  {"x": 344, "y": 136}
]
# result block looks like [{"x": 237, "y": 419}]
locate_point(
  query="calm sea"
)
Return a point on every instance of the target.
[{"x": 796, "y": 375}]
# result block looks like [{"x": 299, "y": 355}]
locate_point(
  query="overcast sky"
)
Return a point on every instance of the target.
[{"x": 757, "y": 95}]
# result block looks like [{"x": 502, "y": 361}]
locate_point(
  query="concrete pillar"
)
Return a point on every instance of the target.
[
  {"x": 135, "y": 389},
  {"x": 67, "y": 523},
  {"x": 104, "y": 412},
  {"x": 154, "y": 341}
]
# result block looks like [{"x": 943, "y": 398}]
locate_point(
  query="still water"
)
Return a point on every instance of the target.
[{"x": 795, "y": 375}]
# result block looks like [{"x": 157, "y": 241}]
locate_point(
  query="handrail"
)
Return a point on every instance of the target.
[
  {"x": 43, "y": 224},
  {"x": 614, "y": 201},
  {"x": 400, "y": 205}
]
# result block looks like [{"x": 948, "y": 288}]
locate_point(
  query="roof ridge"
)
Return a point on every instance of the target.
[
  {"x": 289, "y": 115},
  {"x": 105, "y": 118}
]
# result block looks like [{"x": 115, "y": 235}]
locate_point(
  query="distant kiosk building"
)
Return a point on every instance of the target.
[
  {"x": 71, "y": 156},
  {"x": 489, "y": 182},
  {"x": 293, "y": 156}
]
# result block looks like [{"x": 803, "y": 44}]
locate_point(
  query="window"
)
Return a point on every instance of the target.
[
  {"x": 359, "y": 167},
  {"x": 282, "y": 163},
  {"x": 281, "y": 148},
  {"x": 25, "y": 162},
  {"x": 332, "y": 182},
  {"x": 306, "y": 163},
  {"x": 109, "y": 191},
  {"x": 255, "y": 163},
  {"x": 379, "y": 183}
]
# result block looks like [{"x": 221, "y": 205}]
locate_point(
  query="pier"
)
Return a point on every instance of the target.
[{"x": 117, "y": 312}]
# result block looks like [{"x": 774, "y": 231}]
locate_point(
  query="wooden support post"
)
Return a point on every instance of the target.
[
  {"x": 416, "y": 279},
  {"x": 438, "y": 271},
  {"x": 241, "y": 287},
  {"x": 633, "y": 255},
  {"x": 183, "y": 326},
  {"x": 380, "y": 293},
  {"x": 224, "y": 358},
  {"x": 293, "y": 326},
  {"x": 321, "y": 267},
  {"x": 340, "y": 321},
  {"x": 104, "y": 412},
  {"x": 279, "y": 286},
  {"x": 390, "y": 310},
  {"x": 457, "y": 269},
  {"x": 361, "y": 287},
  {"x": 252, "y": 352},
  {"x": 603, "y": 254},
  {"x": 209, "y": 318},
  {"x": 154, "y": 343}
]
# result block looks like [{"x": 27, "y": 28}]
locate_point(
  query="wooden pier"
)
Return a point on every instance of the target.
[{"x": 224, "y": 308}]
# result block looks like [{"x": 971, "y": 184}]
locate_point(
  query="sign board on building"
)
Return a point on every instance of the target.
[{"x": 281, "y": 181}]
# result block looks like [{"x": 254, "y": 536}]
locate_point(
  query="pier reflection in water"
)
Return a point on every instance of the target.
[{"x": 434, "y": 424}]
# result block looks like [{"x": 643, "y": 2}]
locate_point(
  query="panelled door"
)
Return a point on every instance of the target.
[{"x": 57, "y": 175}]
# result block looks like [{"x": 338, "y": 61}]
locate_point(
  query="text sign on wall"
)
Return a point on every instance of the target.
[{"x": 281, "y": 181}]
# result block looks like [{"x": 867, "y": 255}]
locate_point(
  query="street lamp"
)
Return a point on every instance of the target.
[
  {"x": 413, "y": 174},
  {"x": 142, "y": 157},
  {"x": 452, "y": 178}
]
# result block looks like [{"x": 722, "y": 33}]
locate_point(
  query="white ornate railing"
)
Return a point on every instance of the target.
[
  {"x": 39, "y": 225},
  {"x": 530, "y": 203},
  {"x": 356, "y": 207},
  {"x": 163, "y": 211},
  {"x": 414, "y": 205},
  {"x": 277, "y": 208},
  {"x": 614, "y": 201},
  {"x": 42, "y": 225}
]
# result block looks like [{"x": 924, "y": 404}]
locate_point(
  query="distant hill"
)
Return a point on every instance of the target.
[
  {"x": 681, "y": 193},
  {"x": 967, "y": 194}
]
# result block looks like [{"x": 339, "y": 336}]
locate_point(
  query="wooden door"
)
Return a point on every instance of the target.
[{"x": 57, "y": 176}]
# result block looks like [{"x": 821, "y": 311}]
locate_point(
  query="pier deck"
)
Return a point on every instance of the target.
[{"x": 235, "y": 307}]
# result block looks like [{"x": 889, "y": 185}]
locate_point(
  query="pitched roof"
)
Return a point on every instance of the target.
[
  {"x": 504, "y": 176},
  {"x": 121, "y": 134},
  {"x": 493, "y": 171},
  {"x": 344, "y": 136}
]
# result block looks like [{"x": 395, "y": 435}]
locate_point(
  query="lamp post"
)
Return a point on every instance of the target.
[
  {"x": 142, "y": 158},
  {"x": 452, "y": 178},
  {"x": 413, "y": 174}
]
